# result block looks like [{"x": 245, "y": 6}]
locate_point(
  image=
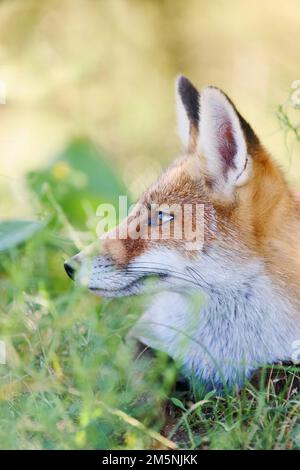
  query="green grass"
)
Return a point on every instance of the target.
[{"x": 70, "y": 381}]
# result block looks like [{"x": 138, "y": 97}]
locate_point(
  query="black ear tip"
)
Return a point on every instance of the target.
[
  {"x": 183, "y": 83},
  {"x": 190, "y": 98},
  {"x": 181, "y": 79}
]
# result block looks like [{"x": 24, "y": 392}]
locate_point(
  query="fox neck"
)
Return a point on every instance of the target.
[
  {"x": 251, "y": 322},
  {"x": 251, "y": 301},
  {"x": 245, "y": 321},
  {"x": 243, "y": 287}
]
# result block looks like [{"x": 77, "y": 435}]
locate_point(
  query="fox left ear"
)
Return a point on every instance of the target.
[
  {"x": 226, "y": 140},
  {"x": 187, "y": 104}
]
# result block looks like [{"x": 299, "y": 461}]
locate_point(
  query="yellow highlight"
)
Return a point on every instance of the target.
[
  {"x": 61, "y": 170},
  {"x": 80, "y": 438}
]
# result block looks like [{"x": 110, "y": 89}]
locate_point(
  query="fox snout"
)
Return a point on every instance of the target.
[
  {"x": 99, "y": 269},
  {"x": 69, "y": 268},
  {"x": 84, "y": 258},
  {"x": 100, "y": 254},
  {"x": 73, "y": 265}
]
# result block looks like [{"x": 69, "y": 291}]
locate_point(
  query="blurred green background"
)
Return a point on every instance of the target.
[
  {"x": 89, "y": 115},
  {"x": 104, "y": 70}
]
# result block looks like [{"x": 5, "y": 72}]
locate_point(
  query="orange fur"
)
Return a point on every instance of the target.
[{"x": 264, "y": 215}]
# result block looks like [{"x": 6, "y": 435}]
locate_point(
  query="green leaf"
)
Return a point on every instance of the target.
[
  {"x": 178, "y": 403},
  {"x": 81, "y": 177},
  {"x": 14, "y": 232}
]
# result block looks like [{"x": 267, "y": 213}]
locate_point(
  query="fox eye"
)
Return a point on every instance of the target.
[{"x": 161, "y": 218}]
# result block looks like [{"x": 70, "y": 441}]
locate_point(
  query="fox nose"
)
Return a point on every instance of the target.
[{"x": 70, "y": 270}]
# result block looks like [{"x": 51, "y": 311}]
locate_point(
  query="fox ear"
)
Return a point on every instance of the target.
[
  {"x": 187, "y": 104},
  {"x": 225, "y": 140}
]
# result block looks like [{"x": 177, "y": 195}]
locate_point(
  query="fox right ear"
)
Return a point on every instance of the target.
[
  {"x": 226, "y": 142},
  {"x": 188, "y": 112}
]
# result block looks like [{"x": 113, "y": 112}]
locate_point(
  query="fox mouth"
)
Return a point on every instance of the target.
[
  {"x": 132, "y": 288},
  {"x": 101, "y": 277}
]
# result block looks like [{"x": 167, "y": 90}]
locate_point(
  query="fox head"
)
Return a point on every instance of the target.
[{"x": 246, "y": 210}]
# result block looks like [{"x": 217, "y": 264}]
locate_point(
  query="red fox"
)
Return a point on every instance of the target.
[{"x": 247, "y": 268}]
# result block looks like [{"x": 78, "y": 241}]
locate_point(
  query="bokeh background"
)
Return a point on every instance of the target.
[
  {"x": 88, "y": 115},
  {"x": 103, "y": 71}
]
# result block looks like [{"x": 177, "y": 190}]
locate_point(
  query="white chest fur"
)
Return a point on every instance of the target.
[{"x": 243, "y": 323}]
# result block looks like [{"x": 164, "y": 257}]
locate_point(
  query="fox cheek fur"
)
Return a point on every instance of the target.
[{"x": 249, "y": 268}]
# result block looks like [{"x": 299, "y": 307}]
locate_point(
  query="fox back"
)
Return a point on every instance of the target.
[{"x": 245, "y": 265}]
